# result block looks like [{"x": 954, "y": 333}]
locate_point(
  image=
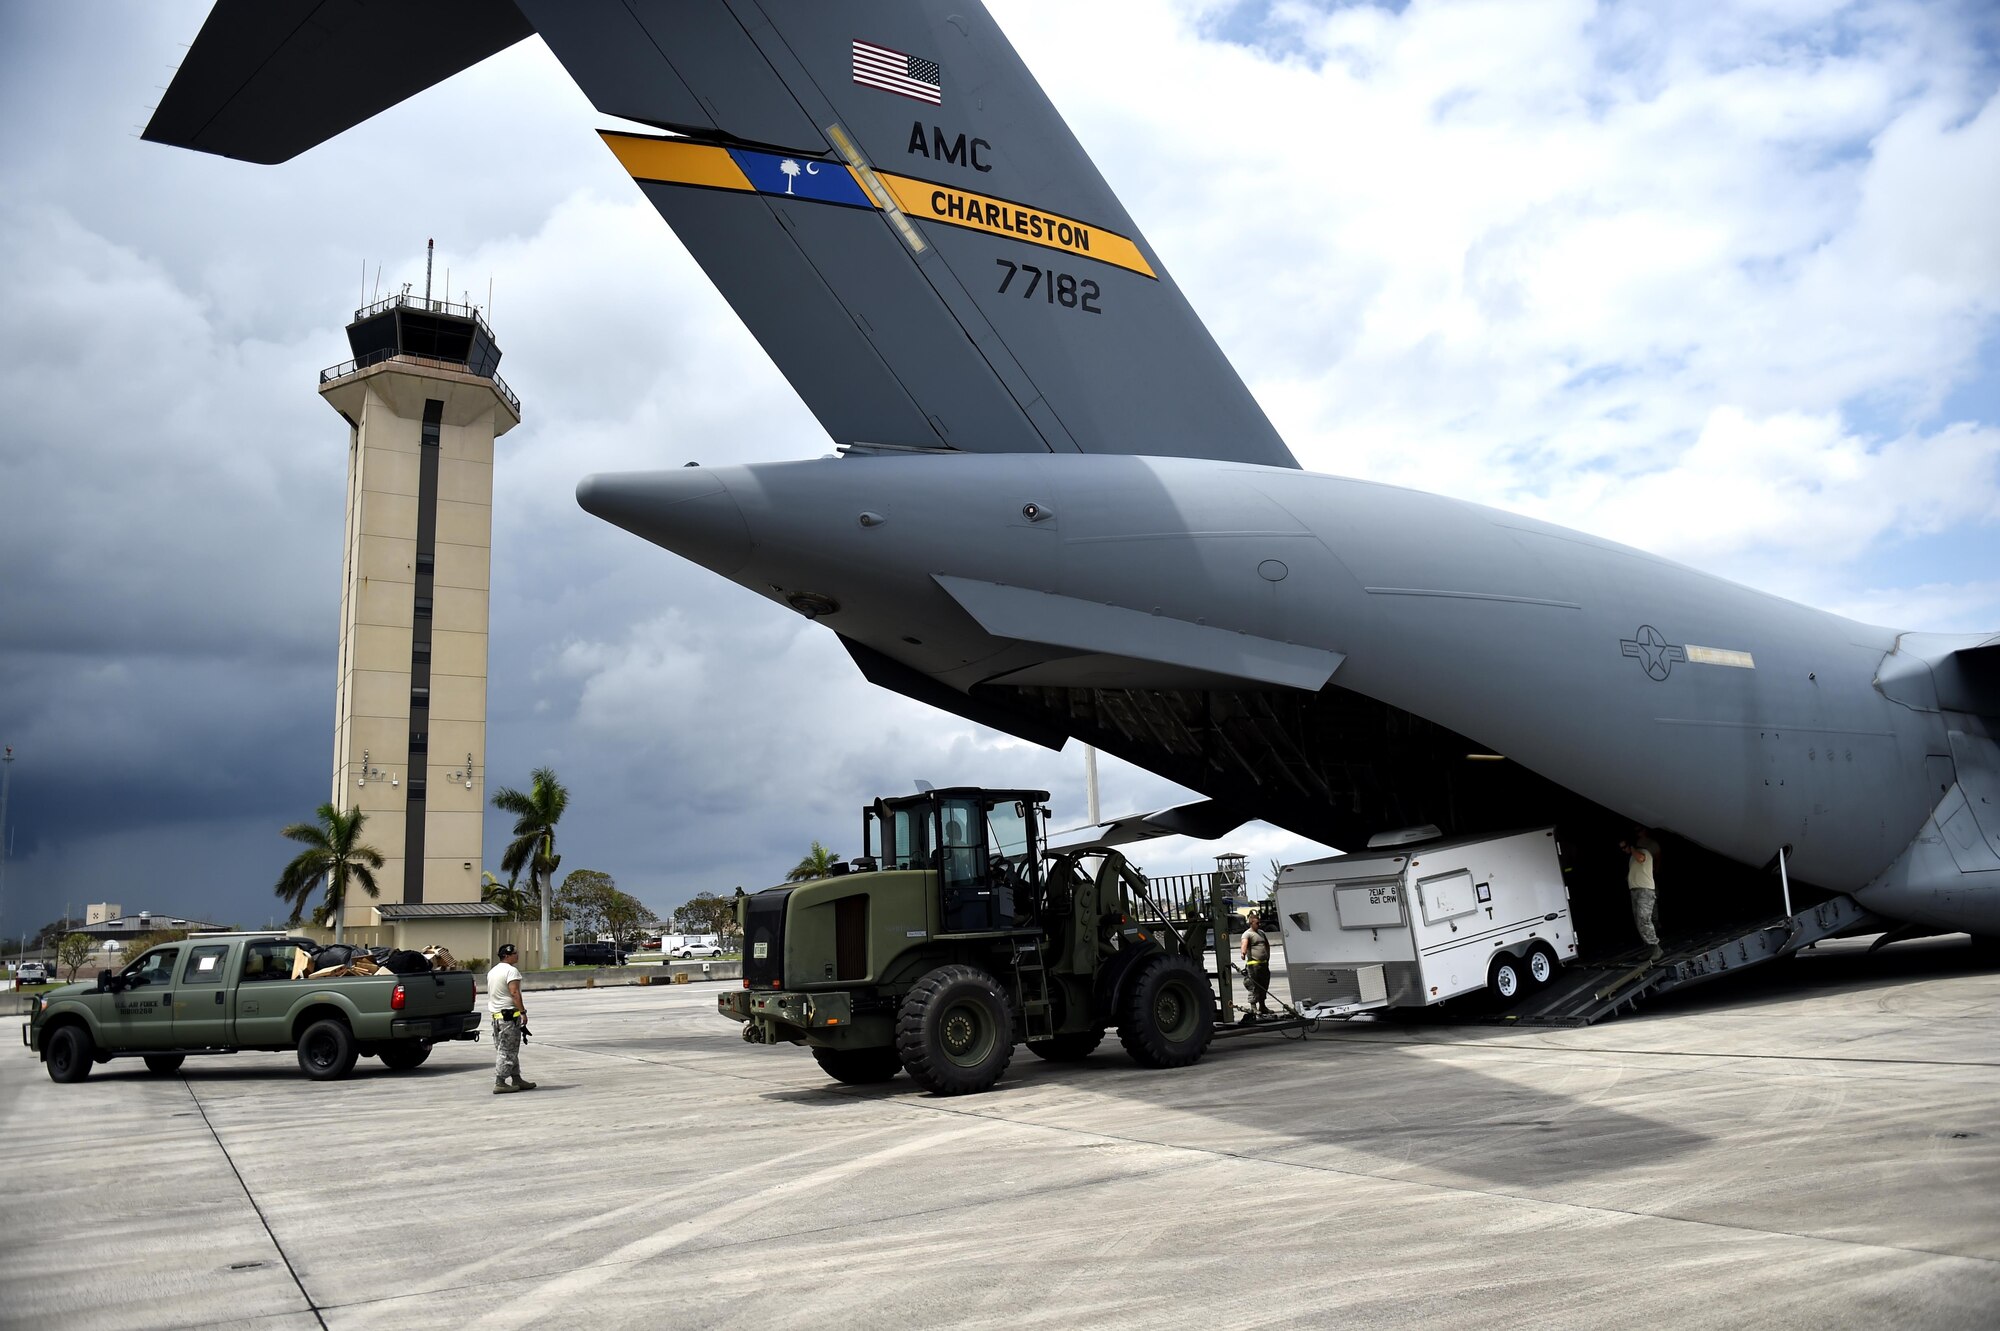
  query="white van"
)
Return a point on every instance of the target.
[{"x": 1413, "y": 925}]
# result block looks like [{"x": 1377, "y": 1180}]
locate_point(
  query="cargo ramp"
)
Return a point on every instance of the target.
[{"x": 1585, "y": 992}]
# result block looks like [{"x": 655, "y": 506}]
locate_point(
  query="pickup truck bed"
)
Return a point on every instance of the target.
[{"x": 221, "y": 994}]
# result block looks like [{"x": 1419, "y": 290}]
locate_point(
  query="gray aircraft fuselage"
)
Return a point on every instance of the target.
[{"x": 1736, "y": 719}]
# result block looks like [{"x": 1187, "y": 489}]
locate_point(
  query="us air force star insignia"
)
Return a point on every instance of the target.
[{"x": 1653, "y": 650}]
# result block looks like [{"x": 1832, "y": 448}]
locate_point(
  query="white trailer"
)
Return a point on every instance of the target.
[{"x": 1415, "y": 924}]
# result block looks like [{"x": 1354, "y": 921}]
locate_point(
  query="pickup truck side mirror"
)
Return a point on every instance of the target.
[{"x": 103, "y": 980}]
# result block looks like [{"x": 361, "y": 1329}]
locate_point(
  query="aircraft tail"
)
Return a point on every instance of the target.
[{"x": 882, "y": 192}]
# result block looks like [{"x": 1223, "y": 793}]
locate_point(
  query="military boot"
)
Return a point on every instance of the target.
[
  {"x": 502, "y": 1088},
  {"x": 521, "y": 1084}
]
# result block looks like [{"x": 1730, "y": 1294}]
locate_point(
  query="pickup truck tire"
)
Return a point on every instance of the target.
[
  {"x": 859, "y": 1067},
  {"x": 162, "y": 1064},
  {"x": 403, "y": 1055},
  {"x": 1071, "y": 1048},
  {"x": 953, "y": 1034},
  {"x": 69, "y": 1054},
  {"x": 326, "y": 1050},
  {"x": 1168, "y": 1015}
]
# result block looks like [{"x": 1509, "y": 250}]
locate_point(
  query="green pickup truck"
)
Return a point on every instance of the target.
[{"x": 222, "y": 993}]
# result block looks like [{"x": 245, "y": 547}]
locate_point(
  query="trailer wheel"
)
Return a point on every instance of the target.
[
  {"x": 1168, "y": 1014},
  {"x": 326, "y": 1050},
  {"x": 1505, "y": 978},
  {"x": 402, "y": 1055},
  {"x": 1071, "y": 1048},
  {"x": 69, "y": 1054},
  {"x": 859, "y": 1067},
  {"x": 953, "y": 1034},
  {"x": 1541, "y": 964},
  {"x": 162, "y": 1064}
]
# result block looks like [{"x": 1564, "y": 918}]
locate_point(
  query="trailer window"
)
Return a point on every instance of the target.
[
  {"x": 1369, "y": 905},
  {"x": 1446, "y": 897}
]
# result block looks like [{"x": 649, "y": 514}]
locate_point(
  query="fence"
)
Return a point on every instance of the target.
[{"x": 1172, "y": 894}]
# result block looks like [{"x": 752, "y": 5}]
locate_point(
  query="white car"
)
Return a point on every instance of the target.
[{"x": 688, "y": 951}]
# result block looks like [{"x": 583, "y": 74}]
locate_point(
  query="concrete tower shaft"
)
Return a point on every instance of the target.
[{"x": 423, "y": 405}]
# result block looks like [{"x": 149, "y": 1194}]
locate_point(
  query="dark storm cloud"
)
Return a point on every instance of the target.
[{"x": 171, "y": 586}]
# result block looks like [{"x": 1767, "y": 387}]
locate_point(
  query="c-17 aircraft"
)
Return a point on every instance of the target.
[{"x": 1059, "y": 512}]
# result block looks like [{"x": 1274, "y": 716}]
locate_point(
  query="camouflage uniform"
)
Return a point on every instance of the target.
[
  {"x": 1257, "y": 963},
  {"x": 506, "y": 1050},
  {"x": 503, "y": 988},
  {"x": 1642, "y": 878}
]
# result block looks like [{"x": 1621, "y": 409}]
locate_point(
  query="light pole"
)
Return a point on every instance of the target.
[{"x": 6, "y": 775}]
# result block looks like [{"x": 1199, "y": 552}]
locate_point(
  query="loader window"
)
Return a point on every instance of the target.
[
  {"x": 1007, "y": 831},
  {"x": 962, "y": 843},
  {"x": 905, "y": 840}
]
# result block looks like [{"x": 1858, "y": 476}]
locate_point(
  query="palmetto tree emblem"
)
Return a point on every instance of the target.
[{"x": 791, "y": 170}]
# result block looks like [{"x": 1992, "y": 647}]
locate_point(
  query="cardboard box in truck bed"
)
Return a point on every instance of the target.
[{"x": 1417, "y": 924}]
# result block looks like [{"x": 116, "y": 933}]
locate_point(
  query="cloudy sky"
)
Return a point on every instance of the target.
[{"x": 1718, "y": 281}]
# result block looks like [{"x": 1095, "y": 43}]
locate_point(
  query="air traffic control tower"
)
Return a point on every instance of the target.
[{"x": 423, "y": 404}]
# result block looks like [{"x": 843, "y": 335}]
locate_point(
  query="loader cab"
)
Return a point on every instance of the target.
[{"x": 984, "y": 845}]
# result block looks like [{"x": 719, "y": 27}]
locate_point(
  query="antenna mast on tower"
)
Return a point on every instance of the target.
[{"x": 430, "y": 249}]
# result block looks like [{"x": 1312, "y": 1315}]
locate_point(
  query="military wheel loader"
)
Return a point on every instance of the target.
[{"x": 956, "y": 935}]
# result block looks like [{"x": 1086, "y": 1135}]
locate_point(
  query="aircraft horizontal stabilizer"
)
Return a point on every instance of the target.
[
  {"x": 1203, "y": 820},
  {"x": 267, "y": 79}
]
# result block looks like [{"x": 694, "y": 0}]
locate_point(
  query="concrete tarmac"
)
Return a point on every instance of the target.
[{"x": 1815, "y": 1147}]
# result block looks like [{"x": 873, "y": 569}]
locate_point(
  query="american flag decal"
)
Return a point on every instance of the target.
[{"x": 893, "y": 71}]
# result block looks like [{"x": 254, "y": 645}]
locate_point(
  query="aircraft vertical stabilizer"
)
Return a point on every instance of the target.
[{"x": 900, "y": 216}]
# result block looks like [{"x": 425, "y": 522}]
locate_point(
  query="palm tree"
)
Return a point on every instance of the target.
[
  {"x": 508, "y": 896},
  {"x": 818, "y": 863},
  {"x": 533, "y": 848},
  {"x": 334, "y": 856}
]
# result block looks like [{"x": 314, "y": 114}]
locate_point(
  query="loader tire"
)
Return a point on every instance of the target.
[
  {"x": 859, "y": 1067},
  {"x": 1071, "y": 1048},
  {"x": 953, "y": 1033},
  {"x": 1168, "y": 1013}
]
